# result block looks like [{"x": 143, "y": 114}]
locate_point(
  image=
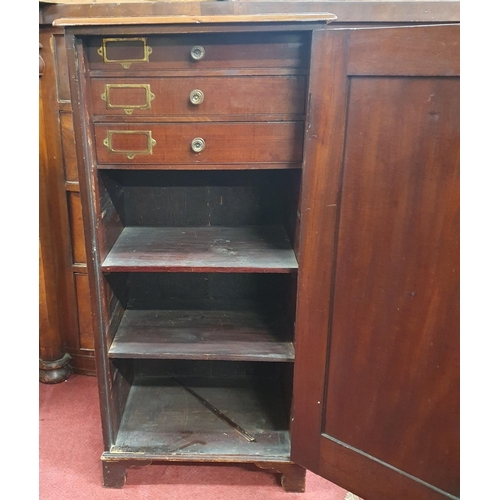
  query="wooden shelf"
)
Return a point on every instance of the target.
[
  {"x": 264, "y": 249},
  {"x": 163, "y": 419},
  {"x": 245, "y": 334}
]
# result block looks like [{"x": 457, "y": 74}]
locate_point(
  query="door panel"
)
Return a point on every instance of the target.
[
  {"x": 387, "y": 414},
  {"x": 324, "y": 138},
  {"x": 395, "y": 321}
]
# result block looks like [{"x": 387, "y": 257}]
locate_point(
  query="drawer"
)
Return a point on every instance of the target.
[
  {"x": 198, "y": 96},
  {"x": 199, "y": 51},
  {"x": 198, "y": 143}
]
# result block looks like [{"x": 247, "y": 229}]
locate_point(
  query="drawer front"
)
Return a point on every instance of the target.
[
  {"x": 199, "y": 96},
  {"x": 199, "y": 143},
  {"x": 200, "y": 51}
]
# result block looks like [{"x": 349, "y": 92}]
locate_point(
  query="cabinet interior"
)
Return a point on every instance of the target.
[
  {"x": 225, "y": 331},
  {"x": 224, "y": 316},
  {"x": 247, "y": 220},
  {"x": 161, "y": 418}
]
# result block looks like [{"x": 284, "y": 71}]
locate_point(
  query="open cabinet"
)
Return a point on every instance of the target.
[
  {"x": 271, "y": 212},
  {"x": 200, "y": 283},
  {"x": 194, "y": 181}
]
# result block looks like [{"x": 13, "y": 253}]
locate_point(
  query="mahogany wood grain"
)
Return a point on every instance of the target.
[
  {"x": 405, "y": 51},
  {"x": 396, "y": 310},
  {"x": 178, "y": 73},
  {"x": 225, "y": 143},
  {"x": 177, "y": 167},
  {"x": 323, "y": 17},
  {"x": 202, "y": 249},
  {"x": 391, "y": 394},
  {"x": 192, "y": 29},
  {"x": 61, "y": 61},
  {"x": 65, "y": 224},
  {"x": 222, "y": 96},
  {"x": 378, "y": 195},
  {"x": 108, "y": 395},
  {"x": 76, "y": 227},
  {"x": 222, "y": 51},
  {"x": 58, "y": 369},
  {"x": 85, "y": 329},
  {"x": 83, "y": 361},
  {"x": 380, "y": 481},
  {"x": 68, "y": 145},
  {"x": 51, "y": 346},
  {"x": 292, "y": 476},
  {"x": 318, "y": 214},
  {"x": 53, "y": 357}
]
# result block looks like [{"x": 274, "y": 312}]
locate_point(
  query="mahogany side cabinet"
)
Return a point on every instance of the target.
[{"x": 269, "y": 223}]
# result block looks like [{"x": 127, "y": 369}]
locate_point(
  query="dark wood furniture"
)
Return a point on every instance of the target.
[
  {"x": 54, "y": 364},
  {"x": 296, "y": 264},
  {"x": 66, "y": 330}
]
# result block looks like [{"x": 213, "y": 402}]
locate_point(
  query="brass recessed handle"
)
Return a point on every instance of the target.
[
  {"x": 196, "y": 97},
  {"x": 198, "y": 144},
  {"x": 197, "y": 52}
]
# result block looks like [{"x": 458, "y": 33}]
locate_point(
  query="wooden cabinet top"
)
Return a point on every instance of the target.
[{"x": 346, "y": 11}]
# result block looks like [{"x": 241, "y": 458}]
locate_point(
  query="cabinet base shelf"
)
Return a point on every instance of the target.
[{"x": 162, "y": 420}]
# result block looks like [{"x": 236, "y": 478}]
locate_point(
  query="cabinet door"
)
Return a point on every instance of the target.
[{"x": 376, "y": 394}]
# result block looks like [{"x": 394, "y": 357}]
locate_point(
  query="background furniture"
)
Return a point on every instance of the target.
[{"x": 67, "y": 332}]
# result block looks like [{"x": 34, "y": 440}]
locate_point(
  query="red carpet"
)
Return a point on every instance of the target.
[{"x": 70, "y": 468}]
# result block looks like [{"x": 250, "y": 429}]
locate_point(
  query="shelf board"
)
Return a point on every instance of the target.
[
  {"x": 264, "y": 249},
  {"x": 162, "y": 419},
  {"x": 250, "y": 334}
]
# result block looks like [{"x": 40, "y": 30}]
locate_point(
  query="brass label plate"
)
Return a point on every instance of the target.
[
  {"x": 128, "y": 108},
  {"x": 103, "y": 51},
  {"x": 108, "y": 142}
]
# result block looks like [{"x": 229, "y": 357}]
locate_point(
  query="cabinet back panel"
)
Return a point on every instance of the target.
[
  {"x": 211, "y": 198},
  {"x": 143, "y": 290},
  {"x": 226, "y": 370}
]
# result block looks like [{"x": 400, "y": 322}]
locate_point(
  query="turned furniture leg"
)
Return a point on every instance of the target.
[
  {"x": 53, "y": 372},
  {"x": 293, "y": 476},
  {"x": 53, "y": 360}
]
